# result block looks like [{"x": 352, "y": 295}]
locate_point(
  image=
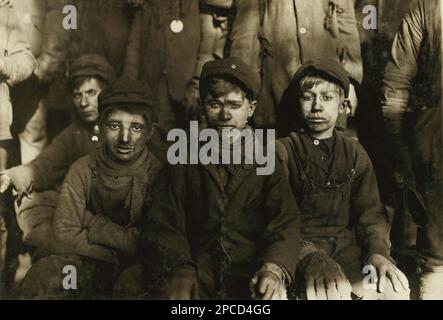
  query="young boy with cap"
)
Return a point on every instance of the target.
[
  {"x": 37, "y": 183},
  {"x": 101, "y": 202},
  {"x": 344, "y": 226},
  {"x": 221, "y": 230}
]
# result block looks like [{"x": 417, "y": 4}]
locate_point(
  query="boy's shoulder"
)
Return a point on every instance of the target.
[
  {"x": 81, "y": 166},
  {"x": 350, "y": 147}
]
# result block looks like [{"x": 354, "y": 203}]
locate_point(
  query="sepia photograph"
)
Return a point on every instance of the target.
[{"x": 234, "y": 151}]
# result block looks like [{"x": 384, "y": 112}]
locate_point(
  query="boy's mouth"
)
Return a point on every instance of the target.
[
  {"x": 124, "y": 149},
  {"x": 316, "y": 120}
]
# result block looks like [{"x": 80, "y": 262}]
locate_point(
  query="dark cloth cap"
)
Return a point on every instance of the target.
[
  {"x": 329, "y": 69},
  {"x": 126, "y": 92},
  {"x": 231, "y": 67},
  {"x": 91, "y": 65}
]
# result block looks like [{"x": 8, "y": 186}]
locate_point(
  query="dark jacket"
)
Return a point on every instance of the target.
[
  {"x": 254, "y": 220},
  {"x": 51, "y": 166},
  {"x": 164, "y": 52},
  {"x": 103, "y": 29},
  {"x": 293, "y": 31},
  {"x": 339, "y": 201}
]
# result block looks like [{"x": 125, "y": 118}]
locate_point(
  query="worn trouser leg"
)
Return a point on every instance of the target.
[
  {"x": 68, "y": 277},
  {"x": 350, "y": 260},
  {"x": 131, "y": 283},
  {"x": 34, "y": 216},
  {"x": 34, "y": 138}
]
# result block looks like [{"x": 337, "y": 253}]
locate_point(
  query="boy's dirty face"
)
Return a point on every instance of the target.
[
  {"x": 125, "y": 134},
  {"x": 85, "y": 98},
  {"x": 320, "y": 107},
  {"x": 230, "y": 111}
]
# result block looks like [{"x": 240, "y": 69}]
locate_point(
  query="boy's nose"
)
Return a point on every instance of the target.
[
  {"x": 84, "y": 101},
  {"x": 317, "y": 105},
  {"x": 124, "y": 136},
  {"x": 224, "y": 114}
]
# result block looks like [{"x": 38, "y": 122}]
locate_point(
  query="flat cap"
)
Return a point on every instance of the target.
[
  {"x": 330, "y": 69},
  {"x": 231, "y": 67},
  {"x": 126, "y": 91},
  {"x": 91, "y": 65}
]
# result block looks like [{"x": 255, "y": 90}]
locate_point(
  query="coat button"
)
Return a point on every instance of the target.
[
  {"x": 328, "y": 183},
  {"x": 316, "y": 142},
  {"x": 303, "y": 30}
]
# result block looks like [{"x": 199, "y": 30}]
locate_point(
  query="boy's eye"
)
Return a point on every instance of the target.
[
  {"x": 235, "y": 105},
  {"x": 113, "y": 126},
  {"x": 137, "y": 128},
  {"x": 91, "y": 92},
  {"x": 327, "y": 98},
  {"x": 307, "y": 97},
  {"x": 77, "y": 96},
  {"x": 214, "y": 105}
]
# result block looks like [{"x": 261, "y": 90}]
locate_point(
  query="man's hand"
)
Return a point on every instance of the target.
[
  {"x": 5, "y": 182},
  {"x": 20, "y": 177},
  {"x": 324, "y": 278},
  {"x": 136, "y": 3},
  {"x": 180, "y": 285},
  {"x": 268, "y": 283},
  {"x": 387, "y": 270}
]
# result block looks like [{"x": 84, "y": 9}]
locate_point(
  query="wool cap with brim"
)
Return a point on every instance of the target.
[
  {"x": 91, "y": 65},
  {"x": 127, "y": 92},
  {"x": 329, "y": 69},
  {"x": 233, "y": 68}
]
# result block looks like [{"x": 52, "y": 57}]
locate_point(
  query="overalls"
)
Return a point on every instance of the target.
[{"x": 325, "y": 207}]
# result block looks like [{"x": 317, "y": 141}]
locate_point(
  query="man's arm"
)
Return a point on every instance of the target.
[
  {"x": 349, "y": 40},
  {"x": 245, "y": 34},
  {"x": 397, "y": 83},
  {"x": 18, "y": 63},
  {"x": 55, "y": 40},
  {"x": 71, "y": 226},
  {"x": 52, "y": 164}
]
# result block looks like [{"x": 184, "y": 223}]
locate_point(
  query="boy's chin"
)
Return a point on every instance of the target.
[{"x": 318, "y": 129}]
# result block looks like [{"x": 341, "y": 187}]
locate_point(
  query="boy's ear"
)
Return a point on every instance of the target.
[
  {"x": 252, "y": 108},
  {"x": 343, "y": 106}
]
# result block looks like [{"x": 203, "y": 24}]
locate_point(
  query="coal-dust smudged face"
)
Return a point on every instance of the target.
[
  {"x": 230, "y": 111},
  {"x": 85, "y": 98},
  {"x": 320, "y": 106},
  {"x": 125, "y": 134}
]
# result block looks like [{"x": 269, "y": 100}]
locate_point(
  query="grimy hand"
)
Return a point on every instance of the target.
[
  {"x": 325, "y": 279},
  {"x": 180, "y": 285},
  {"x": 387, "y": 270},
  {"x": 5, "y": 182},
  {"x": 267, "y": 286}
]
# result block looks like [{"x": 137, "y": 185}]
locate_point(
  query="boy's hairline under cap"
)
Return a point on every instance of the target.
[{"x": 329, "y": 69}]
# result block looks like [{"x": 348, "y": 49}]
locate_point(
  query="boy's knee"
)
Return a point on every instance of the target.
[{"x": 45, "y": 279}]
